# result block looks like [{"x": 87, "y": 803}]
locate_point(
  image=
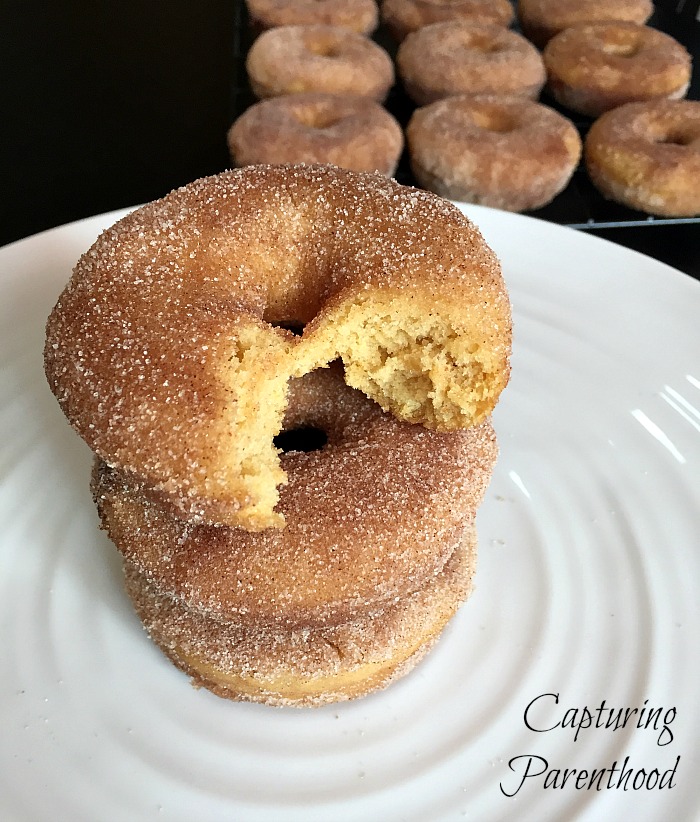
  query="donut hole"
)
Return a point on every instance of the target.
[
  {"x": 494, "y": 120},
  {"x": 316, "y": 119},
  {"x": 676, "y": 138},
  {"x": 324, "y": 48},
  {"x": 295, "y": 328},
  {"x": 484, "y": 45},
  {"x": 303, "y": 438}
]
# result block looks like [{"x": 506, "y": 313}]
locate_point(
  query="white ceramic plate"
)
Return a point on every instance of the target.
[{"x": 588, "y": 588}]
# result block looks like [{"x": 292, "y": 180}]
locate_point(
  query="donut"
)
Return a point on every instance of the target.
[
  {"x": 371, "y": 516},
  {"x": 295, "y": 59},
  {"x": 468, "y": 58},
  {"x": 647, "y": 156},
  {"x": 404, "y": 16},
  {"x": 169, "y": 349},
  {"x": 504, "y": 152},
  {"x": 594, "y": 67},
  {"x": 352, "y": 132},
  {"x": 540, "y": 20},
  {"x": 360, "y": 16},
  {"x": 305, "y": 667}
]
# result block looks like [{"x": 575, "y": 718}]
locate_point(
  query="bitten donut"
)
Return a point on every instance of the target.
[
  {"x": 352, "y": 132},
  {"x": 540, "y": 20},
  {"x": 371, "y": 516},
  {"x": 647, "y": 156},
  {"x": 167, "y": 351},
  {"x": 404, "y": 16},
  {"x": 295, "y": 59},
  {"x": 595, "y": 67},
  {"x": 446, "y": 59},
  {"x": 360, "y": 16},
  {"x": 305, "y": 667},
  {"x": 503, "y": 152}
]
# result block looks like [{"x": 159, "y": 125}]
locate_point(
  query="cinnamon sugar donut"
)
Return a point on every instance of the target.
[
  {"x": 446, "y": 59},
  {"x": 595, "y": 67},
  {"x": 305, "y": 667},
  {"x": 360, "y": 16},
  {"x": 504, "y": 152},
  {"x": 295, "y": 59},
  {"x": 165, "y": 351},
  {"x": 404, "y": 16},
  {"x": 647, "y": 156},
  {"x": 371, "y": 516},
  {"x": 540, "y": 20},
  {"x": 352, "y": 132}
]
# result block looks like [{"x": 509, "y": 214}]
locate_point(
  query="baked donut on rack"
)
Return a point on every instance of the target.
[
  {"x": 647, "y": 156},
  {"x": 504, "y": 152},
  {"x": 377, "y": 553},
  {"x": 595, "y": 67},
  {"x": 540, "y": 20},
  {"x": 446, "y": 59},
  {"x": 295, "y": 59},
  {"x": 169, "y": 352},
  {"x": 360, "y": 16},
  {"x": 352, "y": 132},
  {"x": 404, "y": 16}
]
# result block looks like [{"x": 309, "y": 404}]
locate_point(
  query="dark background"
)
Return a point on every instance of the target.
[{"x": 106, "y": 105}]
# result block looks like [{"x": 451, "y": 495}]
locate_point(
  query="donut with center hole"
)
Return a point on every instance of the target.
[
  {"x": 647, "y": 156},
  {"x": 296, "y": 59},
  {"x": 169, "y": 352},
  {"x": 468, "y": 58},
  {"x": 504, "y": 152},
  {"x": 352, "y": 132},
  {"x": 595, "y": 67}
]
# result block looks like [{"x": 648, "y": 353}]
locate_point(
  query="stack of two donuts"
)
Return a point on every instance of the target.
[
  {"x": 321, "y": 83},
  {"x": 307, "y": 576}
]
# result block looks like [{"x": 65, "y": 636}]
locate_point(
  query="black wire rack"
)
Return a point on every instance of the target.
[{"x": 580, "y": 205}]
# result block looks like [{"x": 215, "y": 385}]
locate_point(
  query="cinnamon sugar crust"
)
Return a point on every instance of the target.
[
  {"x": 296, "y": 59},
  {"x": 404, "y": 16},
  {"x": 447, "y": 59},
  {"x": 647, "y": 156},
  {"x": 360, "y": 16},
  {"x": 351, "y": 132},
  {"x": 596, "y": 67},
  {"x": 540, "y": 20},
  {"x": 503, "y": 152},
  {"x": 164, "y": 354},
  {"x": 370, "y": 517},
  {"x": 305, "y": 667}
]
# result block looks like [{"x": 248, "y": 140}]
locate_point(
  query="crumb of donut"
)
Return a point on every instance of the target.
[{"x": 405, "y": 354}]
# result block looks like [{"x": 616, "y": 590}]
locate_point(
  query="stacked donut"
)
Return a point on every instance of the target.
[
  {"x": 286, "y": 375},
  {"x": 321, "y": 82}
]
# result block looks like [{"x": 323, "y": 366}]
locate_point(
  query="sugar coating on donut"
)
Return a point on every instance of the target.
[
  {"x": 404, "y": 16},
  {"x": 330, "y": 59},
  {"x": 468, "y": 58},
  {"x": 596, "y": 67},
  {"x": 369, "y": 517},
  {"x": 360, "y": 16},
  {"x": 305, "y": 667},
  {"x": 541, "y": 20},
  {"x": 347, "y": 131},
  {"x": 647, "y": 156},
  {"x": 163, "y": 349},
  {"x": 500, "y": 151}
]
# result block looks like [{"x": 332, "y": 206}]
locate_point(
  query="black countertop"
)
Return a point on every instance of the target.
[{"x": 109, "y": 105}]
